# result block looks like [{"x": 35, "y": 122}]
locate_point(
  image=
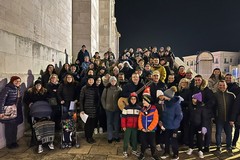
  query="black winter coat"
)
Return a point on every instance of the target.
[
  {"x": 208, "y": 100},
  {"x": 9, "y": 96},
  {"x": 198, "y": 115},
  {"x": 224, "y": 106},
  {"x": 89, "y": 100},
  {"x": 67, "y": 92}
]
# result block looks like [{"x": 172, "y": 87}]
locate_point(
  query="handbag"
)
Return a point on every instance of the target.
[
  {"x": 52, "y": 101},
  {"x": 9, "y": 112}
]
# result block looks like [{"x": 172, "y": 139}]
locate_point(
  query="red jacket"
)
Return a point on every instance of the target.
[{"x": 130, "y": 117}]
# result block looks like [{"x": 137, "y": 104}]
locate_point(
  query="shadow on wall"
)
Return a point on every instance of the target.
[
  {"x": 30, "y": 79},
  {"x": 66, "y": 56},
  {"x": 58, "y": 67},
  {"x": 3, "y": 82}
]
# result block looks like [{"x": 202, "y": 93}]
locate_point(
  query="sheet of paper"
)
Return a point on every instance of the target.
[
  {"x": 84, "y": 117},
  {"x": 72, "y": 106}
]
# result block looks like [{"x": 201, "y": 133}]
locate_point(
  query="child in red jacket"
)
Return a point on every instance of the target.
[{"x": 129, "y": 123}]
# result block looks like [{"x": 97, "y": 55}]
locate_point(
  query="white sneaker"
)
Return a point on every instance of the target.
[
  {"x": 40, "y": 149},
  {"x": 95, "y": 131},
  {"x": 125, "y": 155},
  {"x": 51, "y": 146},
  {"x": 136, "y": 153},
  {"x": 100, "y": 130},
  {"x": 158, "y": 147},
  {"x": 189, "y": 152},
  {"x": 200, "y": 154}
]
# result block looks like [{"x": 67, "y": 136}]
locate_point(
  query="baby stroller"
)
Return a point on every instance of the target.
[
  {"x": 69, "y": 136},
  {"x": 43, "y": 127}
]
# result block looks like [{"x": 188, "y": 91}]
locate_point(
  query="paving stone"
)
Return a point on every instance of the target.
[
  {"x": 56, "y": 156},
  {"x": 84, "y": 149},
  {"x": 3, "y": 153},
  {"x": 106, "y": 150}
]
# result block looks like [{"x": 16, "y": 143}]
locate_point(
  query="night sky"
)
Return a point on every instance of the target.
[{"x": 188, "y": 26}]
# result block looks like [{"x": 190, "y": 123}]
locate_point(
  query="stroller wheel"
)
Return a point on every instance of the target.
[{"x": 77, "y": 145}]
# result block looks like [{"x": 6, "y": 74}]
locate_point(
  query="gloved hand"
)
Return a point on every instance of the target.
[{"x": 204, "y": 130}]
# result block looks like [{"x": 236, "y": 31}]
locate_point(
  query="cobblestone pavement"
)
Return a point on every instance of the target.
[{"x": 101, "y": 150}]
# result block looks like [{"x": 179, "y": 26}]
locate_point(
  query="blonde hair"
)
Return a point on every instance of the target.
[
  {"x": 183, "y": 80},
  {"x": 53, "y": 75}
]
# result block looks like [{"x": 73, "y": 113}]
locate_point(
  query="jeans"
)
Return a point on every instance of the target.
[
  {"x": 113, "y": 124},
  {"x": 236, "y": 134},
  {"x": 228, "y": 131}
]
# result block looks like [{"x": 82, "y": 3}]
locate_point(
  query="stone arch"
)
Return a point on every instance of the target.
[{"x": 204, "y": 63}]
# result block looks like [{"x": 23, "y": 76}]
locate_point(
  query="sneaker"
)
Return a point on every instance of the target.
[
  {"x": 164, "y": 156},
  {"x": 175, "y": 157},
  {"x": 51, "y": 146},
  {"x": 219, "y": 150},
  {"x": 230, "y": 152},
  {"x": 141, "y": 157},
  {"x": 95, "y": 131},
  {"x": 200, "y": 154},
  {"x": 15, "y": 145},
  {"x": 136, "y": 153},
  {"x": 158, "y": 147},
  {"x": 40, "y": 149},
  {"x": 100, "y": 130},
  {"x": 189, "y": 152},
  {"x": 70, "y": 145},
  {"x": 110, "y": 141},
  {"x": 125, "y": 155},
  {"x": 206, "y": 149},
  {"x": 155, "y": 157},
  {"x": 117, "y": 139}
]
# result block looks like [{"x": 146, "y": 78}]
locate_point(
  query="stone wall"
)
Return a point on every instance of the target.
[
  {"x": 109, "y": 36},
  {"x": 32, "y": 35},
  {"x": 85, "y": 26}
]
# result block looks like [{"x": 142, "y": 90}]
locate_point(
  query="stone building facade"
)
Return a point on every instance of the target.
[{"x": 224, "y": 60}]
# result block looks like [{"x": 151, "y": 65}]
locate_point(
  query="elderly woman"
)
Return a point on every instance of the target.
[{"x": 10, "y": 95}]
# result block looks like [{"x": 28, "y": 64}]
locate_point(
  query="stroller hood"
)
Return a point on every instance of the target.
[{"x": 40, "y": 109}]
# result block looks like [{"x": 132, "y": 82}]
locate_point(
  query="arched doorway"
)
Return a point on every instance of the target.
[{"x": 205, "y": 64}]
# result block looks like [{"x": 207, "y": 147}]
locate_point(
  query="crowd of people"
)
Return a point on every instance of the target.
[{"x": 143, "y": 94}]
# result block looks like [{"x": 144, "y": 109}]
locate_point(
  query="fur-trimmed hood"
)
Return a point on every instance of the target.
[{"x": 204, "y": 84}]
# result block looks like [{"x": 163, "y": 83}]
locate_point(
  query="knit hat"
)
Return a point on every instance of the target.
[
  {"x": 112, "y": 78},
  {"x": 147, "y": 98},
  {"x": 198, "y": 96},
  {"x": 159, "y": 93},
  {"x": 89, "y": 77},
  {"x": 38, "y": 81},
  {"x": 13, "y": 78},
  {"x": 133, "y": 94},
  {"x": 147, "y": 91},
  {"x": 170, "y": 92}
]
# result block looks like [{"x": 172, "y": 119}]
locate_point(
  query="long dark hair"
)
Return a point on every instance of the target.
[{"x": 221, "y": 77}]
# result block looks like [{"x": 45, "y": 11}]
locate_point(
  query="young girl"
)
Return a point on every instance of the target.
[
  {"x": 129, "y": 124},
  {"x": 197, "y": 124}
]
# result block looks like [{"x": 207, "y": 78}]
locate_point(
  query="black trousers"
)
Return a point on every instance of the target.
[
  {"x": 89, "y": 127},
  {"x": 196, "y": 130},
  {"x": 11, "y": 132},
  {"x": 171, "y": 138},
  {"x": 148, "y": 139}
]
